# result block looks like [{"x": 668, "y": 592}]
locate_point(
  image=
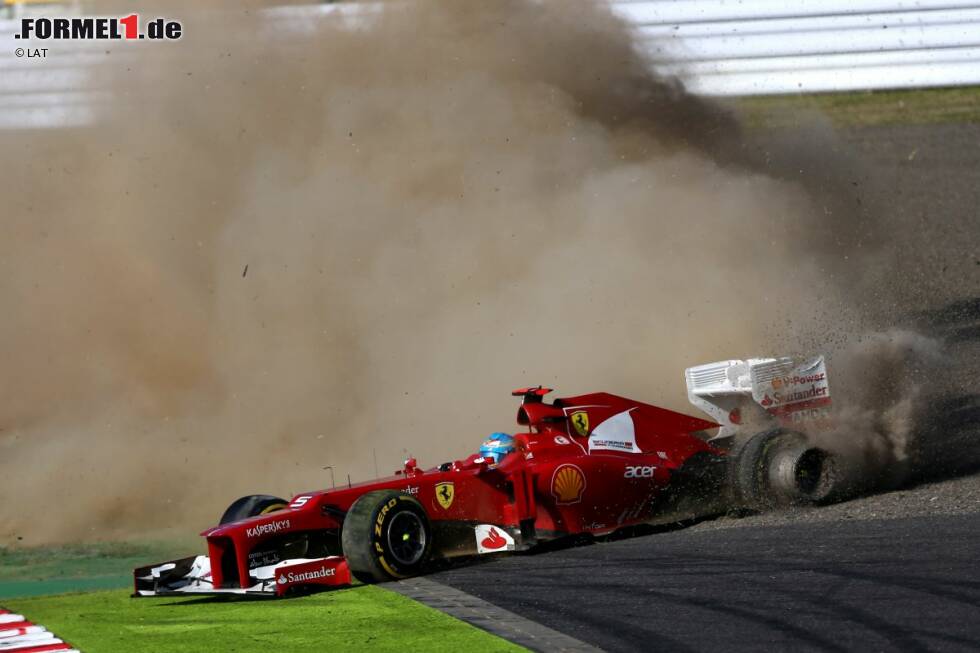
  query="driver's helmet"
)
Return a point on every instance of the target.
[{"x": 497, "y": 446}]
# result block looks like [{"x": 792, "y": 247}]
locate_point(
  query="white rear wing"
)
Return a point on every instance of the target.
[{"x": 734, "y": 392}]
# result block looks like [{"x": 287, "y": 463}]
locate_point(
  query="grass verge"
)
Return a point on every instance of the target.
[
  {"x": 905, "y": 107},
  {"x": 36, "y": 571},
  {"x": 364, "y": 617}
]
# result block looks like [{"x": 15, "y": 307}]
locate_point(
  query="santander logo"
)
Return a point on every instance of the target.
[
  {"x": 494, "y": 540},
  {"x": 292, "y": 577}
]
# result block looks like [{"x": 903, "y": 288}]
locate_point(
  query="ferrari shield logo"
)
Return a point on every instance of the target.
[
  {"x": 580, "y": 420},
  {"x": 445, "y": 493}
]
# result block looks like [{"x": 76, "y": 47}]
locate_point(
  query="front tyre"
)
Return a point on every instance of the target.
[
  {"x": 386, "y": 536},
  {"x": 252, "y": 506}
]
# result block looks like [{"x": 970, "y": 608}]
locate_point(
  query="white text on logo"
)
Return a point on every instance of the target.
[
  {"x": 322, "y": 572},
  {"x": 265, "y": 529},
  {"x": 299, "y": 502},
  {"x": 639, "y": 471}
]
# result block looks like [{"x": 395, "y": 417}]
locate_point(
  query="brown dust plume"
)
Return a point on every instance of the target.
[{"x": 292, "y": 242}]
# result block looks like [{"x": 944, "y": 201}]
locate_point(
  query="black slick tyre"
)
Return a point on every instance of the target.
[
  {"x": 779, "y": 468},
  {"x": 252, "y": 505},
  {"x": 386, "y": 536}
]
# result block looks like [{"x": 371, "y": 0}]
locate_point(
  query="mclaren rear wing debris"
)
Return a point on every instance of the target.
[{"x": 733, "y": 392}]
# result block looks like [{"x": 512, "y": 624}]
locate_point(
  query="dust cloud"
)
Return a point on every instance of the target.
[
  {"x": 298, "y": 242},
  {"x": 881, "y": 382}
]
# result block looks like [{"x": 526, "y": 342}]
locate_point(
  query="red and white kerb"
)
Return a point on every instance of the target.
[{"x": 18, "y": 635}]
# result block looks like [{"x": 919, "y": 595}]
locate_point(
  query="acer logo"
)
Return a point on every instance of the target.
[{"x": 639, "y": 471}]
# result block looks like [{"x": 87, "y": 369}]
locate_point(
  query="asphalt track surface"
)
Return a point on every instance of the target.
[{"x": 874, "y": 585}]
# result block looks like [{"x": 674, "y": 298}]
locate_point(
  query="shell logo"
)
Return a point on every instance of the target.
[{"x": 567, "y": 484}]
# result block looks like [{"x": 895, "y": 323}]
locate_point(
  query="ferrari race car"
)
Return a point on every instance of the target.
[{"x": 591, "y": 465}]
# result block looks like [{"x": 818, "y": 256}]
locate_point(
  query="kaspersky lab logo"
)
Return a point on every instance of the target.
[{"x": 99, "y": 29}]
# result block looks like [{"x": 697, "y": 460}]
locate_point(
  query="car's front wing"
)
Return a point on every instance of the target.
[{"x": 193, "y": 576}]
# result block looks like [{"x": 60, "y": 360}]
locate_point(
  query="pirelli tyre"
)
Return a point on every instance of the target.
[
  {"x": 779, "y": 468},
  {"x": 252, "y": 506},
  {"x": 386, "y": 536}
]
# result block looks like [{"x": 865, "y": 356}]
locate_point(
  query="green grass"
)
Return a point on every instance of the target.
[
  {"x": 54, "y": 570},
  {"x": 364, "y": 617},
  {"x": 906, "y": 107},
  {"x": 110, "y": 621}
]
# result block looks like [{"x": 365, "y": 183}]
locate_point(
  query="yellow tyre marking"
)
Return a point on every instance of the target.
[
  {"x": 378, "y": 527},
  {"x": 274, "y": 507},
  {"x": 387, "y": 567}
]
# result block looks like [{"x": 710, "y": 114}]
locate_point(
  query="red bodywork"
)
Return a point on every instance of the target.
[{"x": 589, "y": 464}]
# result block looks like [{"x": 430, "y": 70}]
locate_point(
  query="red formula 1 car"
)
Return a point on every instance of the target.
[{"x": 588, "y": 465}]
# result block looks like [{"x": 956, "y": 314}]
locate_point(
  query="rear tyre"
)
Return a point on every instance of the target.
[
  {"x": 386, "y": 536},
  {"x": 252, "y": 506},
  {"x": 780, "y": 468}
]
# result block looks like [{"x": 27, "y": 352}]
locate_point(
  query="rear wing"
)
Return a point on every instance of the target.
[{"x": 734, "y": 392}]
